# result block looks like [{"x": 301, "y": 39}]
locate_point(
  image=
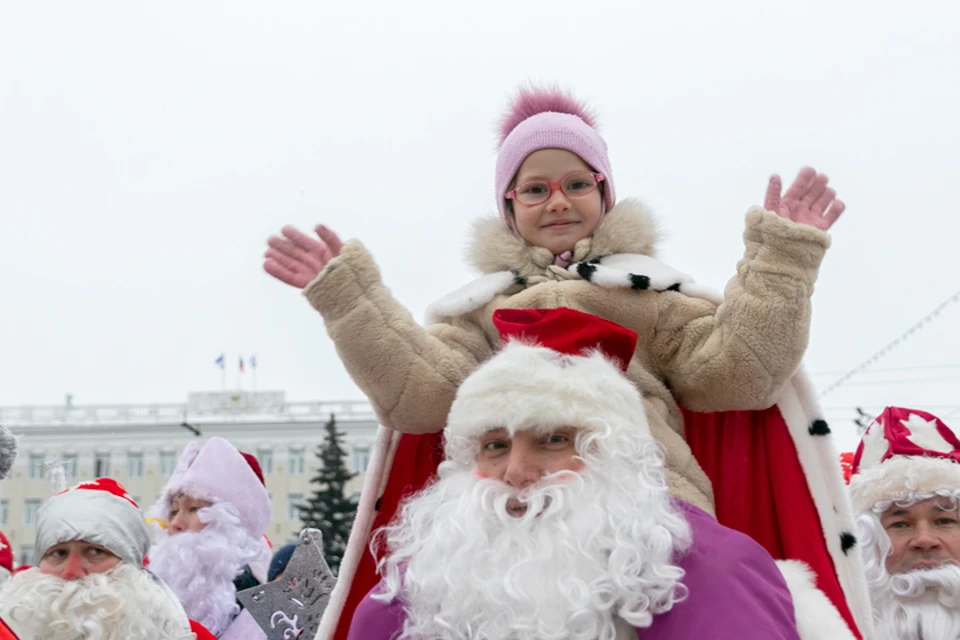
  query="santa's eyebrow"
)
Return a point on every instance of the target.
[{"x": 899, "y": 512}]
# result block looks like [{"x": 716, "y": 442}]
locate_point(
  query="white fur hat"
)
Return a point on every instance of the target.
[
  {"x": 219, "y": 473},
  {"x": 560, "y": 367},
  {"x": 8, "y": 451}
]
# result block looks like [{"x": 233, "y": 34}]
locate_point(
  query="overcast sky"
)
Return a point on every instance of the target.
[{"x": 148, "y": 149}]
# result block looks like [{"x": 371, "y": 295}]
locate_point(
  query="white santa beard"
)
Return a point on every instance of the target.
[
  {"x": 124, "y": 603},
  {"x": 918, "y": 605},
  {"x": 199, "y": 567},
  {"x": 590, "y": 548}
]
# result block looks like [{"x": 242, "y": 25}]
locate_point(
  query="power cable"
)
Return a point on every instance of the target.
[
  {"x": 892, "y": 345},
  {"x": 920, "y": 367}
]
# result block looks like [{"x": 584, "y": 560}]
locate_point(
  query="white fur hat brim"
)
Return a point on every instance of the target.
[
  {"x": 532, "y": 387},
  {"x": 902, "y": 478}
]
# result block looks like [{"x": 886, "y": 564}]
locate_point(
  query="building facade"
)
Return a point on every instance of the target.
[{"x": 139, "y": 445}]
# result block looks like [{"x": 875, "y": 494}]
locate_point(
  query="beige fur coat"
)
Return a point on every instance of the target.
[{"x": 735, "y": 356}]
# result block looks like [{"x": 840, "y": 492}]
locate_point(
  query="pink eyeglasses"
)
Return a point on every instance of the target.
[{"x": 575, "y": 184}]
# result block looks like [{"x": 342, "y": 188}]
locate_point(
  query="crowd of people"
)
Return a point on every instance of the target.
[{"x": 581, "y": 444}]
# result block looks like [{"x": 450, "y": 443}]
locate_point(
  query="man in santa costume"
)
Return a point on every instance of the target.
[
  {"x": 551, "y": 517},
  {"x": 905, "y": 485},
  {"x": 214, "y": 512},
  {"x": 89, "y": 580}
]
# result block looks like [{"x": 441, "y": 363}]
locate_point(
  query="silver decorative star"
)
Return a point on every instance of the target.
[{"x": 291, "y": 606}]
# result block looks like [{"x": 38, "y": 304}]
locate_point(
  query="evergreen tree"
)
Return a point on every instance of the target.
[{"x": 328, "y": 508}]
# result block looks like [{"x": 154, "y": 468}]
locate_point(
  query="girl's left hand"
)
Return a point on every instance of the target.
[
  {"x": 808, "y": 200},
  {"x": 296, "y": 258}
]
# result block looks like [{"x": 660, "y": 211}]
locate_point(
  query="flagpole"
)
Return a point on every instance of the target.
[
  {"x": 221, "y": 362},
  {"x": 240, "y": 373}
]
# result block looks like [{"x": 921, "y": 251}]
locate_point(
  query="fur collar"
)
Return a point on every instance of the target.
[
  {"x": 618, "y": 255},
  {"x": 630, "y": 227}
]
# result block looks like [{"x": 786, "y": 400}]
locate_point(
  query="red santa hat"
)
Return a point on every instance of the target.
[
  {"x": 100, "y": 512},
  {"x": 6, "y": 557},
  {"x": 558, "y": 367},
  {"x": 254, "y": 466},
  {"x": 904, "y": 454}
]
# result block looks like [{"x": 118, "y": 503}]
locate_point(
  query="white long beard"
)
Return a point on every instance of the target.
[
  {"x": 593, "y": 550},
  {"x": 124, "y": 603},
  {"x": 200, "y": 567},
  {"x": 919, "y": 605}
]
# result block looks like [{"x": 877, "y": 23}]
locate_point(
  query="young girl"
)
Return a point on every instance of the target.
[{"x": 563, "y": 240}]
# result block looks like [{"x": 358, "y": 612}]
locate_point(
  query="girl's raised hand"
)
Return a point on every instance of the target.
[
  {"x": 808, "y": 200},
  {"x": 296, "y": 258}
]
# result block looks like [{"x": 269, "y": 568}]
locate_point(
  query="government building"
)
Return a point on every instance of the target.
[{"x": 139, "y": 446}]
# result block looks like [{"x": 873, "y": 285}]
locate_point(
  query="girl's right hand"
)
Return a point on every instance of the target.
[{"x": 296, "y": 258}]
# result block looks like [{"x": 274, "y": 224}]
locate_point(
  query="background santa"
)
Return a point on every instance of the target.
[
  {"x": 905, "y": 486},
  {"x": 89, "y": 580},
  {"x": 214, "y": 512}
]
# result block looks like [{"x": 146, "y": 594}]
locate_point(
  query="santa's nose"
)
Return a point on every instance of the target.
[
  {"x": 73, "y": 568},
  {"x": 176, "y": 524},
  {"x": 521, "y": 472},
  {"x": 924, "y": 539}
]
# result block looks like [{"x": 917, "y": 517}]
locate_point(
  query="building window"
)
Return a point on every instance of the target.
[
  {"x": 134, "y": 465},
  {"x": 26, "y": 555},
  {"x": 35, "y": 467},
  {"x": 294, "y": 502},
  {"x": 3, "y": 512},
  {"x": 265, "y": 458},
  {"x": 30, "y": 508},
  {"x": 70, "y": 466},
  {"x": 296, "y": 462},
  {"x": 361, "y": 457},
  {"x": 167, "y": 463},
  {"x": 101, "y": 465}
]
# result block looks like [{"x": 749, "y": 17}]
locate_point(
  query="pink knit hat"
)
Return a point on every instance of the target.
[{"x": 548, "y": 119}]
